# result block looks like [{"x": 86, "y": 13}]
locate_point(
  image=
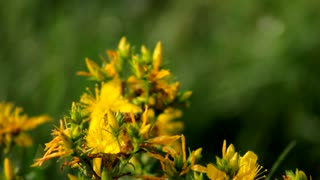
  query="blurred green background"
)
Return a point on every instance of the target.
[{"x": 253, "y": 67}]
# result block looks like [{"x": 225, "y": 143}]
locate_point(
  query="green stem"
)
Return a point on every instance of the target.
[{"x": 280, "y": 159}]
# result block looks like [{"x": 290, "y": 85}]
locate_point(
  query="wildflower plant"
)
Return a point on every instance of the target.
[{"x": 127, "y": 126}]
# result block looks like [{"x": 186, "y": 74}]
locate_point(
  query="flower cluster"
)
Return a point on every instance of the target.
[
  {"x": 127, "y": 126},
  {"x": 233, "y": 166},
  {"x": 127, "y": 121},
  {"x": 13, "y": 125}
]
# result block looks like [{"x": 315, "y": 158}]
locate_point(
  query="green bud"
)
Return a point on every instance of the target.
[
  {"x": 146, "y": 55},
  {"x": 301, "y": 175},
  {"x": 75, "y": 114},
  {"x": 124, "y": 48},
  {"x": 185, "y": 96},
  {"x": 298, "y": 175},
  {"x": 75, "y": 132}
]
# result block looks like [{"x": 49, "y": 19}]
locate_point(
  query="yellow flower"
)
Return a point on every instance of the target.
[
  {"x": 103, "y": 133},
  {"x": 233, "y": 166},
  {"x": 13, "y": 125},
  {"x": 59, "y": 146},
  {"x": 100, "y": 135},
  {"x": 248, "y": 168}
]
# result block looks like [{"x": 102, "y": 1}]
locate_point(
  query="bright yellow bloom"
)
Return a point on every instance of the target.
[
  {"x": 248, "y": 168},
  {"x": 100, "y": 135},
  {"x": 103, "y": 133},
  {"x": 13, "y": 125},
  {"x": 233, "y": 166}
]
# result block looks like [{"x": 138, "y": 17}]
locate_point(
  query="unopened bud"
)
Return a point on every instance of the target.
[
  {"x": 234, "y": 162},
  {"x": 124, "y": 47},
  {"x": 157, "y": 56},
  {"x": 230, "y": 152},
  {"x": 76, "y": 132},
  {"x": 8, "y": 169}
]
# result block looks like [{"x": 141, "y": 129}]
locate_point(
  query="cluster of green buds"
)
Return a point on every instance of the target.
[{"x": 298, "y": 175}]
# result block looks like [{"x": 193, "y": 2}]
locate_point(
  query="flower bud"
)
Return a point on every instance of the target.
[
  {"x": 157, "y": 56},
  {"x": 124, "y": 47},
  {"x": 234, "y": 162},
  {"x": 75, "y": 132},
  {"x": 8, "y": 169},
  {"x": 230, "y": 152},
  {"x": 146, "y": 56}
]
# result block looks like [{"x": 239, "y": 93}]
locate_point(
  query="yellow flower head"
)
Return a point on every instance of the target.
[
  {"x": 248, "y": 168},
  {"x": 13, "y": 125},
  {"x": 233, "y": 166},
  {"x": 102, "y": 125}
]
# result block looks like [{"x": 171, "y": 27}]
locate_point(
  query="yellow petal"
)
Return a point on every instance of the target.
[
  {"x": 111, "y": 91},
  {"x": 224, "y": 148},
  {"x": 112, "y": 120},
  {"x": 164, "y": 140},
  {"x": 92, "y": 66},
  {"x": 214, "y": 173},
  {"x": 144, "y": 130},
  {"x": 97, "y": 165},
  {"x": 83, "y": 73},
  {"x": 162, "y": 74},
  {"x": 249, "y": 159},
  {"x": 199, "y": 168},
  {"x": 33, "y": 122}
]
